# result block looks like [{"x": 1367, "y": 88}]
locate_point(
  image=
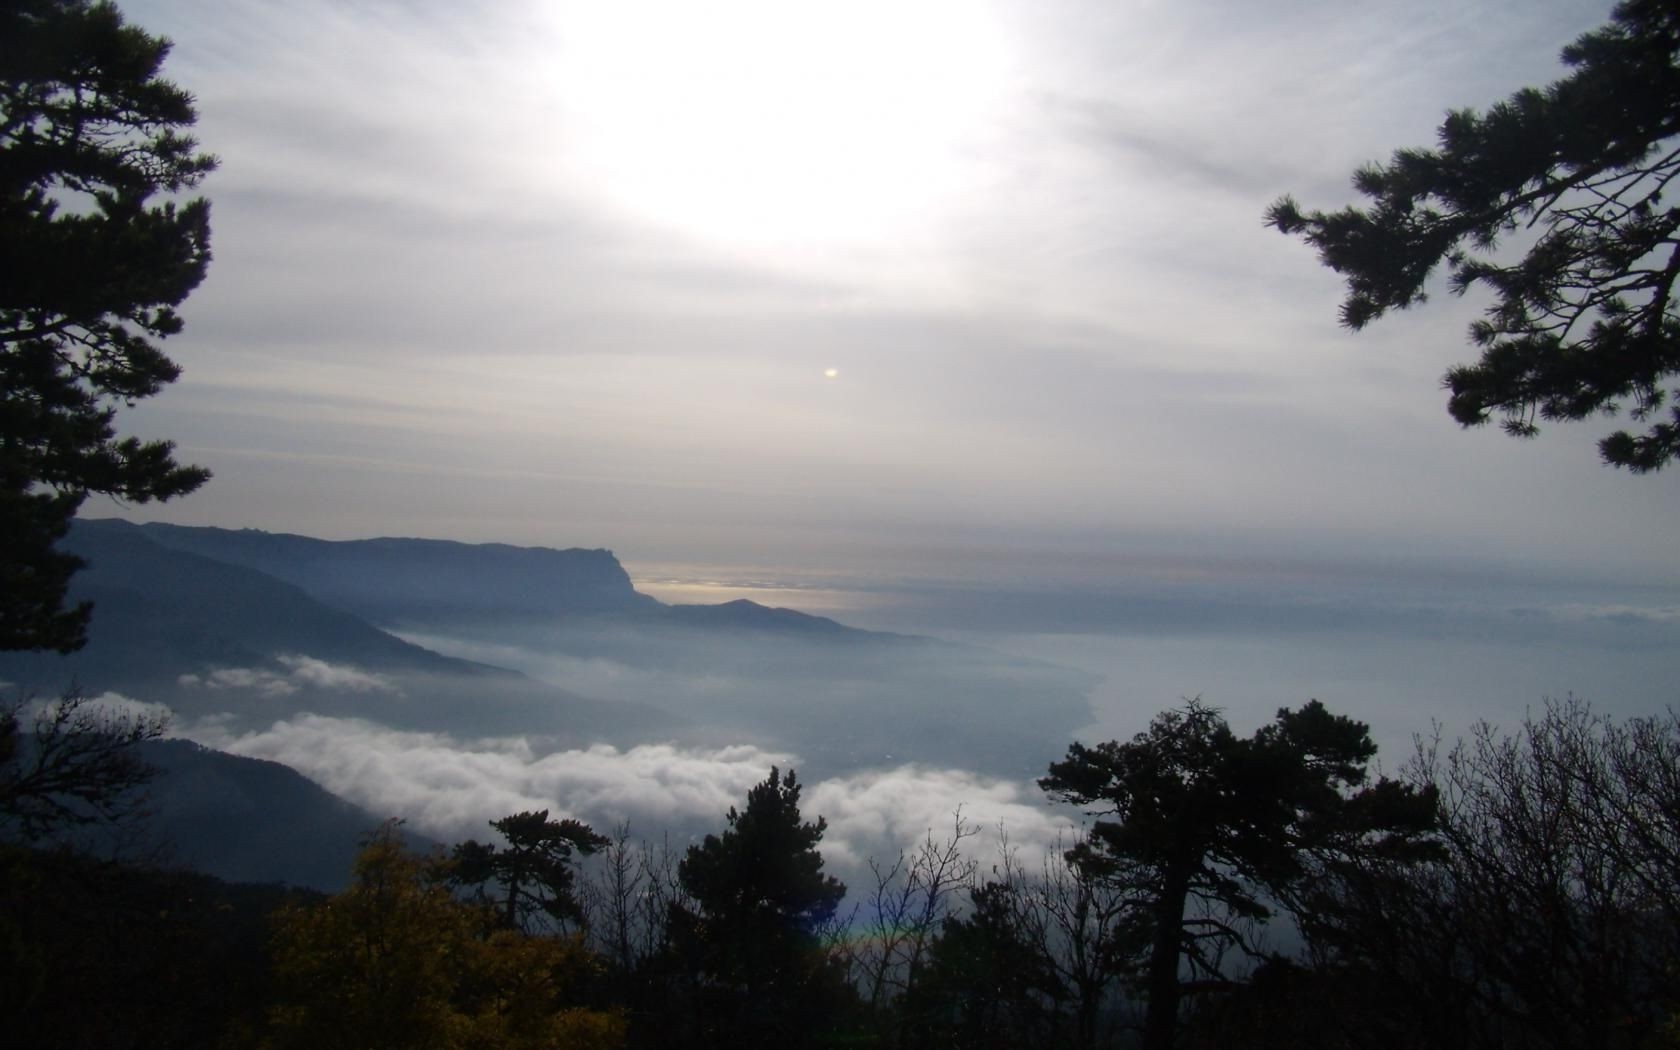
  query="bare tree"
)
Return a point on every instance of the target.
[
  {"x": 73, "y": 766},
  {"x": 1551, "y": 916},
  {"x": 1089, "y": 931},
  {"x": 627, "y": 894},
  {"x": 910, "y": 899}
]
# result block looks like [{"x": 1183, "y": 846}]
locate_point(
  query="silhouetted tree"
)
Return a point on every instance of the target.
[
  {"x": 91, "y": 271},
  {"x": 1215, "y": 830},
  {"x": 70, "y": 763},
  {"x": 911, "y": 898},
  {"x": 986, "y": 985},
  {"x": 1583, "y": 321},
  {"x": 753, "y": 941},
  {"x": 1551, "y": 919},
  {"x": 533, "y": 871}
]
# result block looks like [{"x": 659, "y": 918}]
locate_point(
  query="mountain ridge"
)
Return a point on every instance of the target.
[
  {"x": 495, "y": 582},
  {"x": 211, "y": 638}
]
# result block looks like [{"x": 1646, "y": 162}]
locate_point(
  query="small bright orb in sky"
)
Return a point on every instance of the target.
[{"x": 831, "y": 373}]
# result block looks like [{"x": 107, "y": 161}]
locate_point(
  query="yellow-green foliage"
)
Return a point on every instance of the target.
[{"x": 396, "y": 961}]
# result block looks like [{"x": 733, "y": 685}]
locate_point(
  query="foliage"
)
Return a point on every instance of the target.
[
  {"x": 76, "y": 765},
  {"x": 1583, "y": 321},
  {"x": 1209, "y": 828},
  {"x": 752, "y": 945},
  {"x": 91, "y": 273},
  {"x": 396, "y": 961},
  {"x": 533, "y": 870}
]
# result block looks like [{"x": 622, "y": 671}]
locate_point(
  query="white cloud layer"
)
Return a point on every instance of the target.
[{"x": 450, "y": 789}]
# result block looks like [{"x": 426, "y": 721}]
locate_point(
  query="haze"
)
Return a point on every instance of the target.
[{"x": 950, "y": 317}]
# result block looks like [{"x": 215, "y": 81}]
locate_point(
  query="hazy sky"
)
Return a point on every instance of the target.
[{"x": 853, "y": 286}]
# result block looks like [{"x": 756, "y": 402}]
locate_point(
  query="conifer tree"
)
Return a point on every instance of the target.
[
  {"x": 753, "y": 939},
  {"x": 1577, "y": 175},
  {"x": 1215, "y": 830},
  {"x": 96, "y": 253}
]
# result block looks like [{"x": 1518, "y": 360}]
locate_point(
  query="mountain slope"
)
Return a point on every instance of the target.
[
  {"x": 838, "y": 697},
  {"x": 249, "y": 820},
  {"x": 214, "y": 639}
]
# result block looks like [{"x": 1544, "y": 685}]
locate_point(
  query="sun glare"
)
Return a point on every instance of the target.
[{"x": 763, "y": 122}]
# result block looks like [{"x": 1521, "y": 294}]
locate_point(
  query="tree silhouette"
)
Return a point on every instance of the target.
[
  {"x": 1584, "y": 321},
  {"x": 533, "y": 871},
  {"x": 753, "y": 939},
  {"x": 91, "y": 271},
  {"x": 70, "y": 763},
  {"x": 1551, "y": 918},
  {"x": 986, "y": 985},
  {"x": 1216, "y": 830}
]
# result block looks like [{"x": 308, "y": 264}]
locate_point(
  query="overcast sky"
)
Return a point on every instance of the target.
[{"x": 865, "y": 286}]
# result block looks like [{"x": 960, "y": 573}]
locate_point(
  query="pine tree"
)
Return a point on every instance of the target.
[
  {"x": 1584, "y": 320},
  {"x": 1191, "y": 814},
  {"x": 92, "y": 269},
  {"x": 753, "y": 938}
]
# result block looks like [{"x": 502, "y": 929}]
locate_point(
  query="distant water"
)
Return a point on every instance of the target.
[{"x": 1402, "y": 652}]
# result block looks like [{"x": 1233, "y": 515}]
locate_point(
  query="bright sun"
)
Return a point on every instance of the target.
[{"x": 767, "y": 122}]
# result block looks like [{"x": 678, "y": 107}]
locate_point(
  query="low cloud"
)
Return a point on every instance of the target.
[
  {"x": 135, "y": 710},
  {"x": 876, "y": 813},
  {"x": 301, "y": 671},
  {"x": 310, "y": 671},
  {"x": 450, "y": 788},
  {"x": 112, "y": 708},
  {"x": 244, "y": 679}
]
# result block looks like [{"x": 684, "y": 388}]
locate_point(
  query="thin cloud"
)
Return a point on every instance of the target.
[
  {"x": 301, "y": 672},
  {"x": 244, "y": 679},
  {"x": 310, "y": 671}
]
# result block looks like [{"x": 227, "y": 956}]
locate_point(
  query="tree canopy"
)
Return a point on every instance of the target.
[
  {"x": 533, "y": 869},
  {"x": 1554, "y": 201},
  {"x": 396, "y": 961},
  {"x": 1190, "y": 813},
  {"x": 753, "y": 938},
  {"x": 92, "y": 269}
]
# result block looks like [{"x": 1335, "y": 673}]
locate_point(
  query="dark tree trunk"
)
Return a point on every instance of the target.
[{"x": 1161, "y": 986}]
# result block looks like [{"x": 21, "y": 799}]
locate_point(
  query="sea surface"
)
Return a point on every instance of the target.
[{"x": 1411, "y": 654}]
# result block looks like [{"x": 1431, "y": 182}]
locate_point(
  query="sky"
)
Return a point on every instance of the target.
[
  {"x": 971, "y": 290},
  {"x": 956, "y": 317}
]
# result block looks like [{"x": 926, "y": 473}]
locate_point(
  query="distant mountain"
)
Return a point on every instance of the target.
[
  {"x": 240, "y": 623},
  {"x": 745, "y": 615},
  {"x": 397, "y": 582},
  {"x": 211, "y": 638},
  {"x": 415, "y": 584}
]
